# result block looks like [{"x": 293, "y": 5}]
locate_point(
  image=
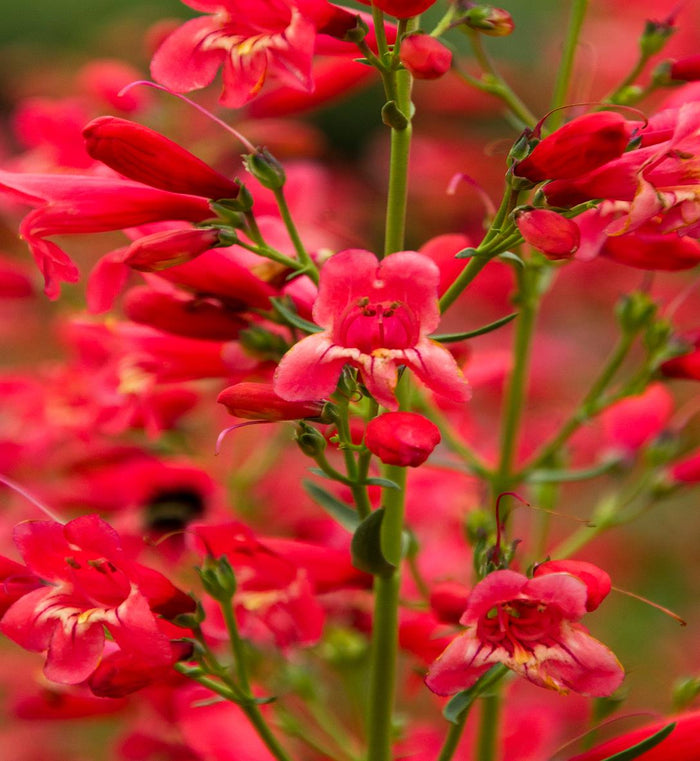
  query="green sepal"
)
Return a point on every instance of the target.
[
  {"x": 366, "y": 546},
  {"x": 636, "y": 750},
  {"x": 293, "y": 318},
  {"x": 447, "y": 338},
  {"x": 337, "y": 509},
  {"x": 459, "y": 705}
]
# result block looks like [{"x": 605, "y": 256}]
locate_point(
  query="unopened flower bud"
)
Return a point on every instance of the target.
[
  {"x": 310, "y": 440},
  {"x": 258, "y": 401},
  {"x": 687, "y": 471},
  {"x": 686, "y": 69},
  {"x": 486, "y": 19},
  {"x": 597, "y": 581},
  {"x": 146, "y": 156},
  {"x": 581, "y": 145},
  {"x": 634, "y": 311},
  {"x": 218, "y": 578},
  {"x": 344, "y": 25},
  {"x": 266, "y": 169},
  {"x": 555, "y": 236},
  {"x": 424, "y": 56},
  {"x": 687, "y": 363},
  {"x": 169, "y": 248},
  {"x": 402, "y": 438},
  {"x": 655, "y": 36}
]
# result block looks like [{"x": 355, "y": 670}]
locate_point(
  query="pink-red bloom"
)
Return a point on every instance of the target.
[
  {"x": 71, "y": 203},
  {"x": 401, "y": 8},
  {"x": 531, "y": 626},
  {"x": 253, "y": 39},
  {"x": 91, "y": 585},
  {"x": 376, "y": 317}
]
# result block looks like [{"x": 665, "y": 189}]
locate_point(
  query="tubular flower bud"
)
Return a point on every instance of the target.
[
  {"x": 580, "y": 146},
  {"x": 687, "y": 470},
  {"x": 596, "y": 579},
  {"x": 687, "y": 365},
  {"x": 258, "y": 401},
  {"x": 424, "y": 56},
  {"x": 686, "y": 69},
  {"x": 169, "y": 248},
  {"x": 555, "y": 236},
  {"x": 401, "y": 8},
  {"x": 142, "y": 154},
  {"x": 486, "y": 19},
  {"x": 402, "y": 438}
]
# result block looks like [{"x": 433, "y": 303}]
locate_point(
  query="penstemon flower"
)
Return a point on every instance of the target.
[
  {"x": 376, "y": 317},
  {"x": 531, "y": 626}
]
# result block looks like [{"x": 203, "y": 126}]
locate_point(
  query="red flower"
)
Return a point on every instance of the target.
[
  {"x": 529, "y": 625},
  {"x": 401, "y": 8},
  {"x": 91, "y": 585},
  {"x": 424, "y": 56},
  {"x": 377, "y": 316}
]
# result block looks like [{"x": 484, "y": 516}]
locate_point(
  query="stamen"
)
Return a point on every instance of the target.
[
  {"x": 29, "y": 497},
  {"x": 244, "y": 140}
]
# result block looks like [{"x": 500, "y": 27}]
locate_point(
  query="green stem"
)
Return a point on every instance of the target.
[
  {"x": 486, "y": 745},
  {"x": 357, "y": 473},
  {"x": 498, "y": 232},
  {"x": 492, "y": 82},
  {"x": 566, "y": 66},
  {"x": 237, "y": 648},
  {"x": 528, "y": 303},
  {"x": 397, "y": 194},
  {"x": 383, "y": 666},
  {"x": 452, "y": 738},
  {"x": 309, "y": 267}
]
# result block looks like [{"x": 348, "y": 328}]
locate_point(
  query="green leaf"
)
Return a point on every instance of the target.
[
  {"x": 458, "y": 706},
  {"x": 509, "y": 256},
  {"x": 293, "y": 318},
  {"x": 384, "y": 482},
  {"x": 343, "y": 513},
  {"x": 447, "y": 338},
  {"x": 636, "y": 750},
  {"x": 366, "y": 546}
]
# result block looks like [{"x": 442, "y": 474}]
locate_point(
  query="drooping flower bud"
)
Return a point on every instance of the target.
[
  {"x": 655, "y": 36},
  {"x": 401, "y": 8},
  {"x": 581, "y": 145},
  {"x": 159, "y": 251},
  {"x": 402, "y": 438},
  {"x": 486, "y": 19},
  {"x": 424, "y": 56},
  {"x": 686, "y": 69},
  {"x": 555, "y": 236},
  {"x": 266, "y": 169},
  {"x": 687, "y": 470},
  {"x": 258, "y": 401},
  {"x": 146, "y": 156},
  {"x": 597, "y": 581}
]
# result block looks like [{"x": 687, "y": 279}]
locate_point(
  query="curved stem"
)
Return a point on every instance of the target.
[
  {"x": 309, "y": 267},
  {"x": 561, "y": 87},
  {"x": 528, "y": 302}
]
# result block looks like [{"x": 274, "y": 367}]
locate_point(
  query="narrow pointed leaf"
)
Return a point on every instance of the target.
[
  {"x": 458, "y": 706},
  {"x": 384, "y": 482},
  {"x": 637, "y": 750},
  {"x": 343, "y": 513},
  {"x": 447, "y": 338},
  {"x": 293, "y": 318}
]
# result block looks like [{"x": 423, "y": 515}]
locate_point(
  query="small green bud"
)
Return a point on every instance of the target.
[
  {"x": 685, "y": 690},
  {"x": 310, "y": 440},
  {"x": 479, "y": 525},
  {"x": 218, "y": 578},
  {"x": 486, "y": 19},
  {"x": 635, "y": 311},
  {"x": 655, "y": 36},
  {"x": 266, "y": 169},
  {"x": 629, "y": 95}
]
